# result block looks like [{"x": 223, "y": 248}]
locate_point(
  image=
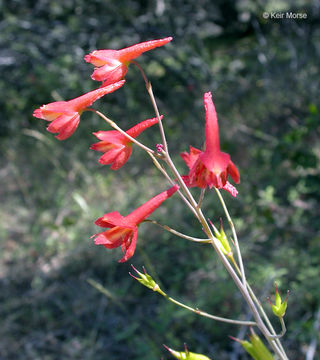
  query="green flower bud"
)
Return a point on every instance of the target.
[
  {"x": 186, "y": 355},
  {"x": 255, "y": 347},
  {"x": 146, "y": 280},
  {"x": 222, "y": 237},
  {"x": 260, "y": 349},
  {"x": 249, "y": 348},
  {"x": 280, "y": 307}
]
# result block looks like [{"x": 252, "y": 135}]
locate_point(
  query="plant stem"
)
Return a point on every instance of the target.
[
  {"x": 177, "y": 233},
  {"x": 150, "y": 92},
  {"x": 235, "y": 237},
  {"x": 172, "y": 182},
  {"x": 261, "y": 309},
  {"x": 213, "y": 317},
  {"x": 242, "y": 285}
]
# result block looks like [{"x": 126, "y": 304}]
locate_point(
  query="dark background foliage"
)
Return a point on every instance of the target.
[{"x": 264, "y": 74}]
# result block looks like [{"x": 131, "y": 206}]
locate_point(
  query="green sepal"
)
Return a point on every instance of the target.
[{"x": 260, "y": 349}]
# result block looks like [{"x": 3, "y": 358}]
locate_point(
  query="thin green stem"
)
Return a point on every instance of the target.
[
  {"x": 235, "y": 237},
  {"x": 261, "y": 309},
  {"x": 172, "y": 182},
  {"x": 203, "y": 191},
  {"x": 150, "y": 92},
  {"x": 177, "y": 233},
  {"x": 205, "y": 314}
]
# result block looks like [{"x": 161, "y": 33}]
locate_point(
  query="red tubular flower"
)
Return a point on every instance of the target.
[
  {"x": 124, "y": 229},
  {"x": 210, "y": 167},
  {"x": 65, "y": 115},
  {"x": 112, "y": 65},
  {"x": 116, "y": 147}
]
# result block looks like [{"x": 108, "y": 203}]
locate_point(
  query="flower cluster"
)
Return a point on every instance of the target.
[{"x": 210, "y": 167}]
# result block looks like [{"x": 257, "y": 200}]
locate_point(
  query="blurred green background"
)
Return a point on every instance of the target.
[{"x": 264, "y": 75}]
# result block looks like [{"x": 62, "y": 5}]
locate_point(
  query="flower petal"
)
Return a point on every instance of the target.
[
  {"x": 233, "y": 172},
  {"x": 65, "y": 125},
  {"x": 231, "y": 189},
  {"x": 191, "y": 158},
  {"x": 122, "y": 158},
  {"x": 103, "y": 57},
  {"x": 131, "y": 248},
  {"x": 110, "y": 156},
  {"x": 111, "y": 219}
]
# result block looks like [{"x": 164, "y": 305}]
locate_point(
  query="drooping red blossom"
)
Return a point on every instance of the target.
[
  {"x": 123, "y": 230},
  {"x": 210, "y": 167},
  {"x": 65, "y": 115},
  {"x": 112, "y": 65},
  {"x": 190, "y": 160},
  {"x": 117, "y": 147}
]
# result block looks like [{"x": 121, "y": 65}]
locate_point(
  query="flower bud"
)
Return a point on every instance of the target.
[
  {"x": 249, "y": 349},
  {"x": 260, "y": 349},
  {"x": 186, "y": 355},
  {"x": 255, "y": 347},
  {"x": 223, "y": 240},
  {"x": 279, "y": 308},
  {"x": 146, "y": 280}
]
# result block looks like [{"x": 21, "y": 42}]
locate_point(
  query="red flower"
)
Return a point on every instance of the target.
[
  {"x": 210, "y": 167},
  {"x": 112, "y": 65},
  {"x": 116, "y": 147},
  {"x": 65, "y": 115},
  {"x": 124, "y": 229}
]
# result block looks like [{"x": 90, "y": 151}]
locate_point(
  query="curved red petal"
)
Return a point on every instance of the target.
[
  {"x": 122, "y": 158},
  {"x": 65, "y": 125},
  {"x": 102, "y": 57},
  {"x": 231, "y": 189},
  {"x": 108, "y": 75},
  {"x": 233, "y": 172},
  {"x": 191, "y": 158},
  {"x": 110, "y": 156},
  {"x": 109, "y": 136},
  {"x": 131, "y": 248}
]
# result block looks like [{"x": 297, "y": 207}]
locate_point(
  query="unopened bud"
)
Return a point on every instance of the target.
[
  {"x": 259, "y": 347},
  {"x": 186, "y": 355},
  {"x": 159, "y": 148},
  {"x": 255, "y": 347},
  {"x": 146, "y": 280},
  {"x": 280, "y": 307},
  {"x": 223, "y": 240}
]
